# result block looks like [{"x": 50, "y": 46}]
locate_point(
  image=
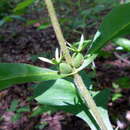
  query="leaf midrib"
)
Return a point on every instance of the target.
[{"x": 21, "y": 75}]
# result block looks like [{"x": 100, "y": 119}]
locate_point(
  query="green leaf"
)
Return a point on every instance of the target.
[
  {"x": 33, "y": 21},
  {"x": 11, "y": 74},
  {"x": 18, "y": 17},
  {"x": 23, "y": 109},
  {"x": 106, "y": 2},
  {"x": 42, "y": 109},
  {"x": 123, "y": 82},
  {"x": 62, "y": 95},
  {"x": 15, "y": 117},
  {"x": 123, "y": 42},
  {"x": 10, "y": 18},
  {"x": 115, "y": 24},
  {"x": 56, "y": 93},
  {"x": 86, "y": 79},
  {"x": 88, "y": 60},
  {"x": 23, "y": 5},
  {"x": 116, "y": 96},
  {"x": 101, "y": 100},
  {"x": 44, "y": 26},
  {"x": 13, "y": 105}
]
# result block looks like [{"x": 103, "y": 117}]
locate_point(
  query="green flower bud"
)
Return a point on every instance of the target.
[
  {"x": 65, "y": 68},
  {"x": 78, "y": 60}
]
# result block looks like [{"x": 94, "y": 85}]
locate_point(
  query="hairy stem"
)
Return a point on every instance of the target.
[
  {"x": 77, "y": 78},
  {"x": 58, "y": 31},
  {"x": 89, "y": 101}
]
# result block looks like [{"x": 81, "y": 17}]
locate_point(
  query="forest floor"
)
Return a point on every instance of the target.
[{"x": 24, "y": 45}]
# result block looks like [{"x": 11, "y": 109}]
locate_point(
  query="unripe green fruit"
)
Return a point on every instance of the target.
[
  {"x": 78, "y": 60},
  {"x": 65, "y": 68}
]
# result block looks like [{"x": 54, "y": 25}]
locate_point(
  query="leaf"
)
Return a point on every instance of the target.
[
  {"x": 62, "y": 95},
  {"x": 13, "y": 105},
  {"x": 112, "y": 2},
  {"x": 116, "y": 96},
  {"x": 101, "y": 100},
  {"x": 123, "y": 42},
  {"x": 23, "y": 109},
  {"x": 115, "y": 24},
  {"x": 23, "y": 5},
  {"x": 15, "y": 117},
  {"x": 88, "y": 60},
  {"x": 123, "y": 82},
  {"x": 15, "y": 73},
  {"x": 33, "y": 21},
  {"x": 56, "y": 93},
  {"x": 86, "y": 79},
  {"x": 10, "y": 18},
  {"x": 43, "y": 26},
  {"x": 18, "y": 17},
  {"x": 42, "y": 109}
]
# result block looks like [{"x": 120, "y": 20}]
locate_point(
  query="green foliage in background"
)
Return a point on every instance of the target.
[
  {"x": 17, "y": 110},
  {"x": 75, "y": 15},
  {"x": 78, "y": 15}
]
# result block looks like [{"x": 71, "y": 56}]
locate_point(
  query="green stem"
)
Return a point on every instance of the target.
[{"x": 77, "y": 79}]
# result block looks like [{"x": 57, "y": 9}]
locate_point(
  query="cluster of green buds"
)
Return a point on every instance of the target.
[
  {"x": 77, "y": 58},
  {"x": 77, "y": 61},
  {"x": 78, "y": 47},
  {"x": 64, "y": 68}
]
